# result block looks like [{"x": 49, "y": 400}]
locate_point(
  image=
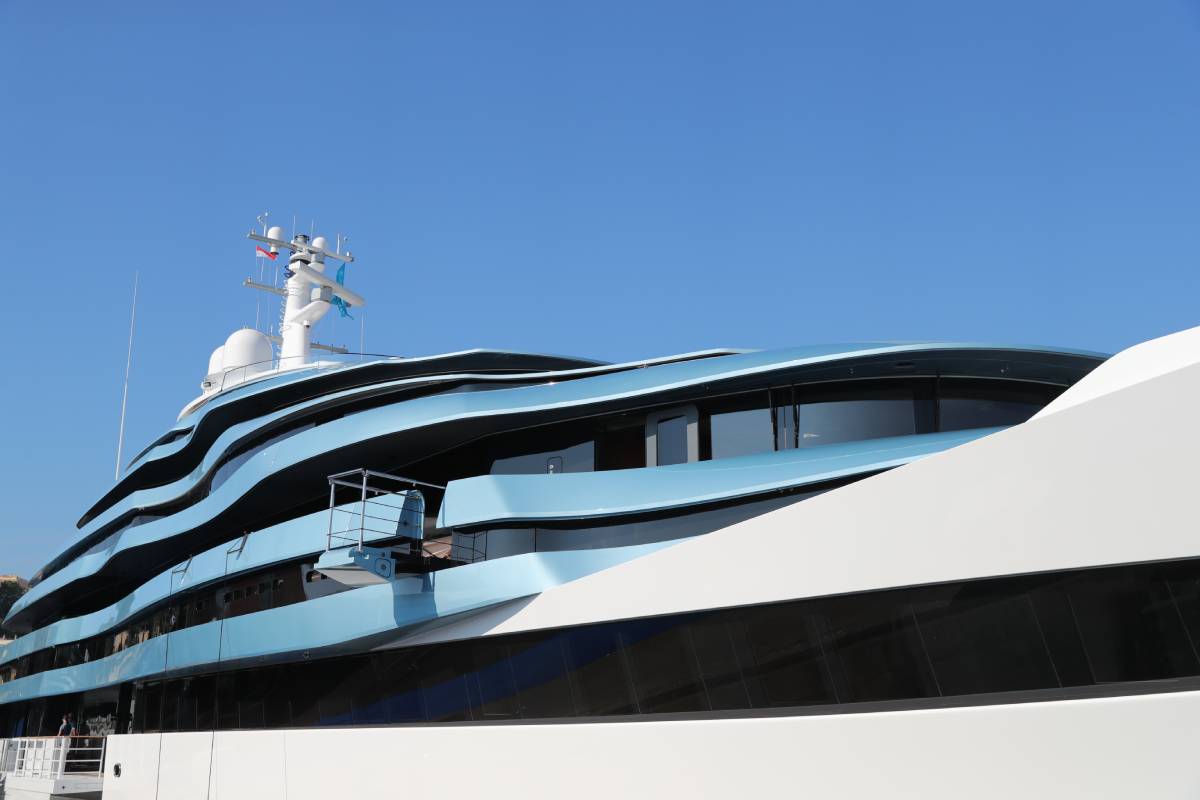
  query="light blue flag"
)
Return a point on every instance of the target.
[{"x": 341, "y": 304}]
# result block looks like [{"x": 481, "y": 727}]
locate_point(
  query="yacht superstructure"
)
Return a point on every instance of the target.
[{"x": 951, "y": 567}]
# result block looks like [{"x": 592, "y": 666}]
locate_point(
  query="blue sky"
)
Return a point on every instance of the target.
[{"x": 617, "y": 180}]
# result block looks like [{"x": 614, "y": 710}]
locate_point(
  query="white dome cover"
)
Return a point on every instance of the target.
[
  {"x": 216, "y": 360},
  {"x": 244, "y": 348}
]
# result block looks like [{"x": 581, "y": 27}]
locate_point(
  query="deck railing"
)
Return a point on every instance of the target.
[
  {"x": 381, "y": 505},
  {"x": 52, "y": 756}
]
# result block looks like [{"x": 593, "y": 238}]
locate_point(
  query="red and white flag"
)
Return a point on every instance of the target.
[{"x": 258, "y": 251}]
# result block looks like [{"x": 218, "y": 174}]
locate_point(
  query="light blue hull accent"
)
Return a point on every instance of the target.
[
  {"x": 500, "y": 499},
  {"x": 359, "y": 618},
  {"x": 283, "y": 542}
]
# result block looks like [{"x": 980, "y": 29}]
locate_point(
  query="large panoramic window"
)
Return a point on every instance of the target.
[
  {"x": 1039, "y": 635},
  {"x": 847, "y": 419},
  {"x": 982, "y": 404},
  {"x": 740, "y": 426}
]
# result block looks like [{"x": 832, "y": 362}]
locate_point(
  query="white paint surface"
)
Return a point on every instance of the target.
[{"x": 1133, "y": 747}]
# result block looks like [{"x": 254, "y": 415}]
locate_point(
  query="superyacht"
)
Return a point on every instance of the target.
[{"x": 926, "y": 568}]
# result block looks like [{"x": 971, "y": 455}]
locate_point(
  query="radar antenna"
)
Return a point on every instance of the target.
[{"x": 308, "y": 292}]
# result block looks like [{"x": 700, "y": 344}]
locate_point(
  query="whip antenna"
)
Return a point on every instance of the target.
[{"x": 128, "y": 364}]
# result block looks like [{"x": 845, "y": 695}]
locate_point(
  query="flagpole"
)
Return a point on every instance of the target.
[{"x": 128, "y": 364}]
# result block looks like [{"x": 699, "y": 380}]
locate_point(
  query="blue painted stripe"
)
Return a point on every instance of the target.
[
  {"x": 150, "y": 498},
  {"x": 271, "y": 383},
  {"x": 500, "y": 499},
  {"x": 283, "y": 542},
  {"x": 354, "y": 616},
  {"x": 426, "y": 411}
]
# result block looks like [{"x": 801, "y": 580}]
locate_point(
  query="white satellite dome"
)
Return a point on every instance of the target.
[
  {"x": 216, "y": 361},
  {"x": 246, "y": 348}
]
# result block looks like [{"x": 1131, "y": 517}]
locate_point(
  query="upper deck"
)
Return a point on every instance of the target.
[{"x": 232, "y": 459}]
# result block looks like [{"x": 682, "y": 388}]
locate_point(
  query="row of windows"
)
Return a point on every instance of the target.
[
  {"x": 245, "y": 594},
  {"x": 788, "y": 417},
  {"x": 754, "y": 422},
  {"x": 1042, "y": 632}
]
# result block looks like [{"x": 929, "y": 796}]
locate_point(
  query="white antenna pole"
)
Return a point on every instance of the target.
[
  {"x": 128, "y": 364},
  {"x": 262, "y": 220},
  {"x": 362, "y": 326}
]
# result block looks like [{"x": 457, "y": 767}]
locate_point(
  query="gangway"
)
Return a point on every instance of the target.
[{"x": 376, "y": 531}]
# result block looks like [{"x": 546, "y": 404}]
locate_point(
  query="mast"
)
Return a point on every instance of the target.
[{"x": 308, "y": 293}]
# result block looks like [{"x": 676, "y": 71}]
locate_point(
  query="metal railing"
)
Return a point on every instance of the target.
[
  {"x": 379, "y": 507},
  {"x": 330, "y": 360},
  {"x": 52, "y": 756}
]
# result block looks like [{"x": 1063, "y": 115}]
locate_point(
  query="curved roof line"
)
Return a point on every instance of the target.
[
  {"x": 374, "y": 423},
  {"x": 168, "y": 445},
  {"x": 147, "y": 499}
]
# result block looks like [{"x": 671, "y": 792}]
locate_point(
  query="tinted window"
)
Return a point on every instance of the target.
[
  {"x": 876, "y": 651},
  {"x": 664, "y": 670},
  {"x": 829, "y": 422},
  {"x": 1132, "y": 629},
  {"x": 982, "y": 637},
  {"x": 671, "y": 439},
  {"x": 542, "y": 679},
  {"x": 622, "y": 445},
  {"x": 980, "y": 404},
  {"x": 741, "y": 426},
  {"x": 985, "y": 642},
  {"x": 600, "y": 679},
  {"x": 789, "y": 667},
  {"x": 578, "y": 457}
]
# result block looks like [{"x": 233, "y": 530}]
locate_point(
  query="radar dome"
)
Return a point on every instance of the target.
[
  {"x": 245, "y": 348},
  {"x": 216, "y": 361}
]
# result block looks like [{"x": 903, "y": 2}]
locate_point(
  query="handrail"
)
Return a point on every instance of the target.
[
  {"x": 400, "y": 478},
  {"x": 235, "y": 376},
  {"x": 359, "y": 519},
  {"x": 367, "y": 491},
  {"x": 53, "y": 756}
]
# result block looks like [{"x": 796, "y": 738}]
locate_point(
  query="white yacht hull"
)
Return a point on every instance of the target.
[{"x": 1126, "y": 747}]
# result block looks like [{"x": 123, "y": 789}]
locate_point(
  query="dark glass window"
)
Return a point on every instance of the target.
[
  {"x": 664, "y": 668},
  {"x": 875, "y": 651},
  {"x": 716, "y": 644},
  {"x": 542, "y": 676},
  {"x": 985, "y": 642},
  {"x": 600, "y": 678},
  {"x": 1036, "y": 633},
  {"x": 622, "y": 445},
  {"x": 1132, "y": 629},
  {"x": 575, "y": 458},
  {"x": 492, "y": 684},
  {"x": 546, "y": 450},
  {"x": 444, "y": 684},
  {"x": 985, "y": 404},
  {"x": 148, "y": 708},
  {"x": 170, "y": 705},
  {"x": 888, "y": 413},
  {"x": 740, "y": 426},
  {"x": 789, "y": 665},
  {"x": 398, "y": 687},
  {"x": 671, "y": 438}
]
